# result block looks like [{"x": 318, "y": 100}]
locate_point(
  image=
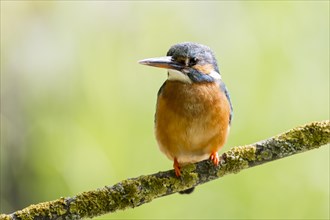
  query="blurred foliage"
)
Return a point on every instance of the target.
[{"x": 77, "y": 110}]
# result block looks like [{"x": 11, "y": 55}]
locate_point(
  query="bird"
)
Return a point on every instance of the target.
[{"x": 194, "y": 110}]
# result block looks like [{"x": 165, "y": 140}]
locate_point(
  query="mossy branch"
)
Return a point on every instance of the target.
[{"x": 134, "y": 192}]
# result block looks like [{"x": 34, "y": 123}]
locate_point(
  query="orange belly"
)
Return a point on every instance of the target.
[{"x": 191, "y": 121}]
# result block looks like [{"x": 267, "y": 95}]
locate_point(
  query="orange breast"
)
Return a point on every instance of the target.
[{"x": 191, "y": 121}]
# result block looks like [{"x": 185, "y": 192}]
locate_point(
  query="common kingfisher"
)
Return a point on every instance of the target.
[{"x": 193, "y": 111}]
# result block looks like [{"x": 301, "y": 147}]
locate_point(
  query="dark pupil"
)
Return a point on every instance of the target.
[
  {"x": 182, "y": 61},
  {"x": 192, "y": 61}
]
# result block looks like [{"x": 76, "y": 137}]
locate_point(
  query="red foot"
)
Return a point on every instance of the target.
[
  {"x": 176, "y": 167},
  {"x": 215, "y": 158}
]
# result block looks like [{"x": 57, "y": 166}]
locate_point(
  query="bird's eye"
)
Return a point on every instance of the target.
[
  {"x": 193, "y": 61},
  {"x": 180, "y": 60}
]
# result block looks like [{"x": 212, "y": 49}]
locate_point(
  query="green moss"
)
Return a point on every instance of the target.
[
  {"x": 294, "y": 141},
  {"x": 131, "y": 193},
  {"x": 154, "y": 186},
  {"x": 46, "y": 210},
  {"x": 5, "y": 217},
  {"x": 93, "y": 203},
  {"x": 266, "y": 155},
  {"x": 236, "y": 159},
  {"x": 189, "y": 176},
  {"x": 307, "y": 137}
]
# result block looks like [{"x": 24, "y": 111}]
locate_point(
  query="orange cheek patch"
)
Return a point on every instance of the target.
[{"x": 206, "y": 69}]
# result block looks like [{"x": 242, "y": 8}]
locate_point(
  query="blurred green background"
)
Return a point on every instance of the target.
[{"x": 77, "y": 110}]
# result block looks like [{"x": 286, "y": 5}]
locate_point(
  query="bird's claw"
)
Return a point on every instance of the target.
[
  {"x": 176, "y": 166},
  {"x": 214, "y": 157}
]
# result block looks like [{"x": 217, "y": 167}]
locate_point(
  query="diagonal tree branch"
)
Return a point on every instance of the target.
[{"x": 134, "y": 192}]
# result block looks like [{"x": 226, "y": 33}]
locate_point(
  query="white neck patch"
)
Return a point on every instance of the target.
[
  {"x": 178, "y": 76},
  {"x": 215, "y": 75}
]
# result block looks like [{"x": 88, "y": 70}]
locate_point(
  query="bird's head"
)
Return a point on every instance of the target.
[{"x": 189, "y": 63}]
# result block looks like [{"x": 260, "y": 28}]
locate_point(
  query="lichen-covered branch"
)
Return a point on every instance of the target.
[{"x": 134, "y": 192}]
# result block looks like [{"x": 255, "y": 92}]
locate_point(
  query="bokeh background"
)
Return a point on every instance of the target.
[{"x": 77, "y": 110}]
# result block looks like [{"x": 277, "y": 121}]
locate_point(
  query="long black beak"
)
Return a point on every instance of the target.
[{"x": 162, "y": 62}]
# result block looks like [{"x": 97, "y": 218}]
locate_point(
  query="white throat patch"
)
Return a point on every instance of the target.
[
  {"x": 178, "y": 76},
  {"x": 215, "y": 75}
]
